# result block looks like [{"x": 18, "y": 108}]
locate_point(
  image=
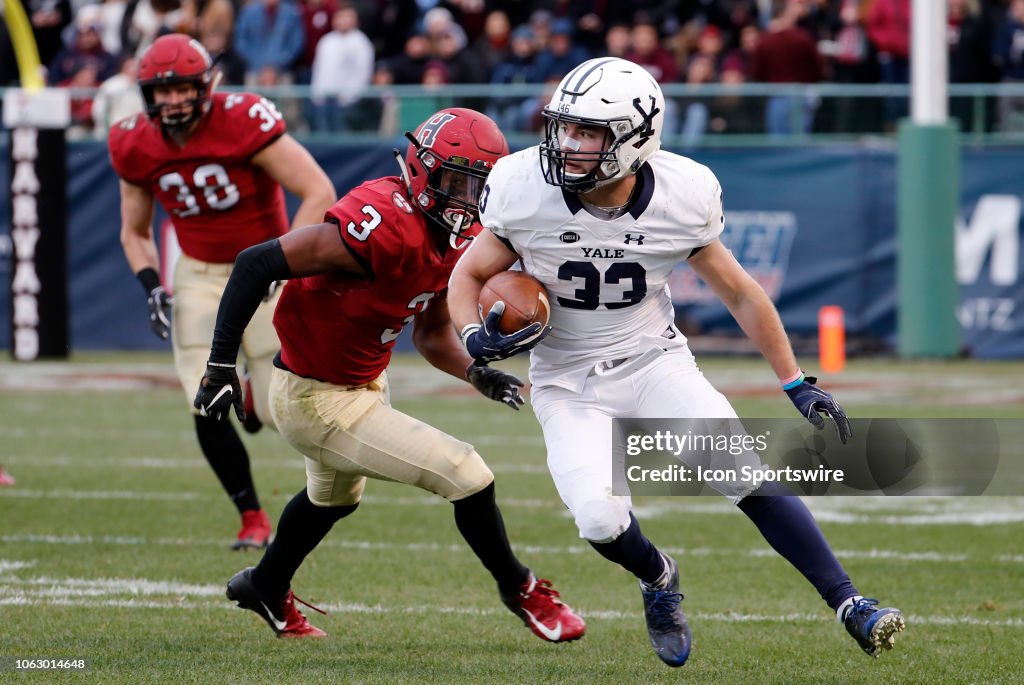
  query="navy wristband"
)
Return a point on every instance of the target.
[{"x": 149, "y": 279}]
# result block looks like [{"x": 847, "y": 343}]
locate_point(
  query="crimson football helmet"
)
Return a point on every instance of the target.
[
  {"x": 446, "y": 166},
  {"x": 171, "y": 59}
]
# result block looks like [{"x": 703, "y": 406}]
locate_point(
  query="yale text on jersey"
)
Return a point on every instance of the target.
[{"x": 602, "y": 253}]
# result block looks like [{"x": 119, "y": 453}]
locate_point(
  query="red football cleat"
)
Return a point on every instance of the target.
[
  {"x": 549, "y": 618},
  {"x": 256, "y": 530},
  {"x": 5, "y": 478},
  {"x": 281, "y": 615}
]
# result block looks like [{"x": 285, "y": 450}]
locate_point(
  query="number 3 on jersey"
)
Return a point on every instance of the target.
[
  {"x": 417, "y": 305},
  {"x": 589, "y": 296},
  {"x": 366, "y": 225}
]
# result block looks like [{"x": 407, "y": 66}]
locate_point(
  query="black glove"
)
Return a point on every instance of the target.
[
  {"x": 159, "y": 302},
  {"x": 809, "y": 399},
  {"x": 496, "y": 384},
  {"x": 485, "y": 343},
  {"x": 219, "y": 391},
  {"x": 160, "y": 311}
]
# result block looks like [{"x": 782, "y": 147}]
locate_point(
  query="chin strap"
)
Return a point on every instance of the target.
[
  {"x": 403, "y": 169},
  {"x": 217, "y": 75},
  {"x": 456, "y": 233}
]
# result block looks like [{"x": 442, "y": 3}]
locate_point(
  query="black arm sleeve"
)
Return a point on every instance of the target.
[{"x": 255, "y": 268}]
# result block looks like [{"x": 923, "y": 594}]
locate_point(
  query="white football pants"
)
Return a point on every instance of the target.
[{"x": 578, "y": 430}]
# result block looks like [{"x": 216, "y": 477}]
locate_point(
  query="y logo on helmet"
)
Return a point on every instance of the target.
[
  {"x": 430, "y": 129},
  {"x": 647, "y": 128}
]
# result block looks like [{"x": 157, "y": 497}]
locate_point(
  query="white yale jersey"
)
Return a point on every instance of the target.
[{"x": 607, "y": 280}]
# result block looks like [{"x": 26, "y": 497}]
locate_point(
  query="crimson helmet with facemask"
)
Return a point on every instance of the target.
[
  {"x": 173, "y": 59},
  {"x": 446, "y": 165}
]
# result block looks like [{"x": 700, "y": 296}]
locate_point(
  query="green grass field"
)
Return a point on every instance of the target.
[{"x": 114, "y": 547}]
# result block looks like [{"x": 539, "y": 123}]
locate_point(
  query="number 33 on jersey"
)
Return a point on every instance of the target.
[
  {"x": 219, "y": 201},
  {"x": 605, "y": 277}
]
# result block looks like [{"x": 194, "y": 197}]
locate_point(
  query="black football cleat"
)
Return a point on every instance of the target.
[{"x": 280, "y": 614}]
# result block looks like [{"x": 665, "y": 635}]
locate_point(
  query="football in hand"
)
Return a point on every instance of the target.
[{"x": 526, "y": 300}]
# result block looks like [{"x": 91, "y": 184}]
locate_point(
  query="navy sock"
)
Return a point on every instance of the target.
[
  {"x": 634, "y": 552},
  {"x": 301, "y": 528},
  {"x": 226, "y": 454},
  {"x": 788, "y": 526},
  {"x": 479, "y": 520}
]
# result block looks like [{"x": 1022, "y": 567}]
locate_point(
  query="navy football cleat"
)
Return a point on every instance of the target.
[
  {"x": 874, "y": 629},
  {"x": 666, "y": 623}
]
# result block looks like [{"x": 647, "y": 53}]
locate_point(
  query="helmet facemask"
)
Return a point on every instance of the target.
[
  {"x": 176, "y": 60},
  {"x": 451, "y": 191},
  {"x": 609, "y": 164},
  {"x": 194, "y": 107}
]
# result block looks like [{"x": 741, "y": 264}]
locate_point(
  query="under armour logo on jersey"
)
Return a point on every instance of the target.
[
  {"x": 639, "y": 239},
  {"x": 433, "y": 127}
]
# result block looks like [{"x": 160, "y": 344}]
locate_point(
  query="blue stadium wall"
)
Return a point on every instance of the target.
[{"x": 816, "y": 226}]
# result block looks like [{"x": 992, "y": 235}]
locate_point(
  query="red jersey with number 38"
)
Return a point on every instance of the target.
[
  {"x": 342, "y": 329},
  {"x": 220, "y": 203}
]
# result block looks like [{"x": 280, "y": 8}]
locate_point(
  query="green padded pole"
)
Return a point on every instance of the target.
[{"x": 929, "y": 195}]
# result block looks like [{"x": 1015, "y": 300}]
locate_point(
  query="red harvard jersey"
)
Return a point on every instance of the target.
[
  {"x": 342, "y": 329},
  {"x": 219, "y": 201}
]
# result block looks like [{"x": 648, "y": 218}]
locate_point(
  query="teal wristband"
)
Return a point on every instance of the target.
[{"x": 793, "y": 384}]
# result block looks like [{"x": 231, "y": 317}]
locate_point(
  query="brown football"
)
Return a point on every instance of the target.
[{"x": 526, "y": 300}]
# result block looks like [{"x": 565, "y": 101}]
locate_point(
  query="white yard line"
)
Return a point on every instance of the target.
[
  {"x": 292, "y": 461},
  {"x": 425, "y": 500},
  {"x": 106, "y": 586},
  {"x": 6, "y": 565},
  {"x": 71, "y": 597},
  {"x": 342, "y": 543},
  {"x": 18, "y": 493},
  {"x": 973, "y": 511}
]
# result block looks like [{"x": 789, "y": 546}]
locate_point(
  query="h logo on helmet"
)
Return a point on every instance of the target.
[{"x": 430, "y": 129}]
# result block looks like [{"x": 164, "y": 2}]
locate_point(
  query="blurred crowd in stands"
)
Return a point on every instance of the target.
[{"x": 339, "y": 47}]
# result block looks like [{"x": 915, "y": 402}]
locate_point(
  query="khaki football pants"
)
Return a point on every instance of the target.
[
  {"x": 350, "y": 433},
  {"x": 198, "y": 287}
]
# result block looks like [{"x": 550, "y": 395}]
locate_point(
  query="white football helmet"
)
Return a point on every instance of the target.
[{"x": 607, "y": 92}]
